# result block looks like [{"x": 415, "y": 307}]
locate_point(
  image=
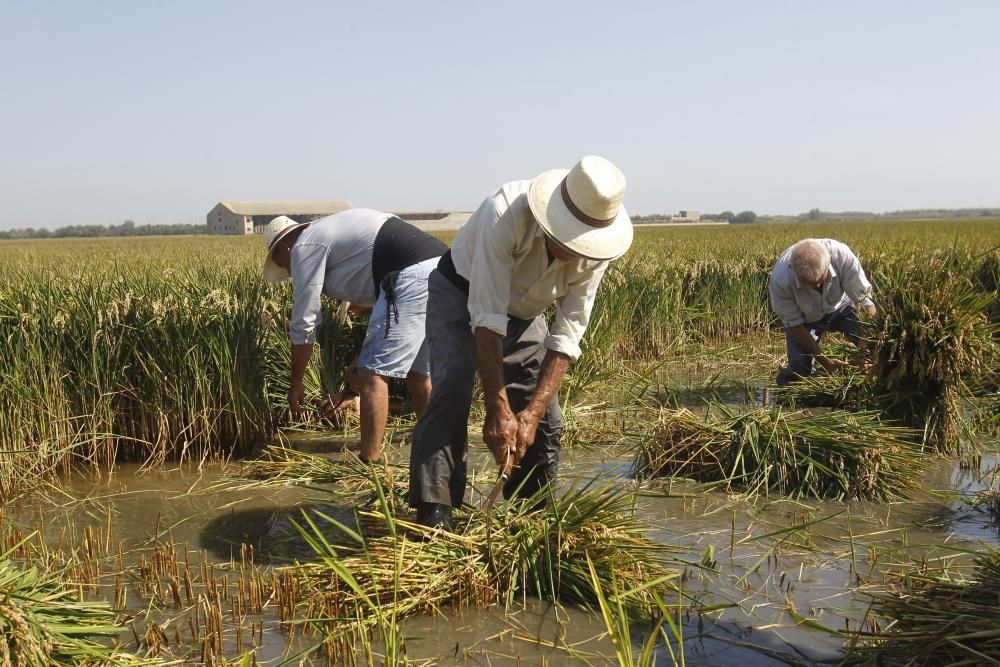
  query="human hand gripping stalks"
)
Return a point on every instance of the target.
[{"x": 334, "y": 405}]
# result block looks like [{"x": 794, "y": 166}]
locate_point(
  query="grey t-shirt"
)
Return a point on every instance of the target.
[{"x": 333, "y": 256}]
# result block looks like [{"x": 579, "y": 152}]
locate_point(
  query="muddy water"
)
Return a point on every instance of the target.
[{"x": 820, "y": 570}]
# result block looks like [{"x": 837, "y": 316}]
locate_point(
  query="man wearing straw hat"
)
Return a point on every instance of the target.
[
  {"x": 530, "y": 244},
  {"x": 815, "y": 287},
  {"x": 376, "y": 262}
]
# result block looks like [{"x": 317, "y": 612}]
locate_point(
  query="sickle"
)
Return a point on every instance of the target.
[{"x": 490, "y": 501}]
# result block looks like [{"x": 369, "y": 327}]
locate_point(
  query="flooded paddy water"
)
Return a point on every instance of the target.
[{"x": 762, "y": 577}]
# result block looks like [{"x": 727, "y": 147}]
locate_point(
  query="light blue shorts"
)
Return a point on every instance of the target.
[{"x": 394, "y": 343}]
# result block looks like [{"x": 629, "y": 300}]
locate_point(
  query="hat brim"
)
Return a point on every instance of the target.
[
  {"x": 552, "y": 214},
  {"x": 272, "y": 272}
]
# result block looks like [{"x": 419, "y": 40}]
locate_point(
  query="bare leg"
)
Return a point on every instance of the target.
[
  {"x": 419, "y": 387},
  {"x": 374, "y": 413}
]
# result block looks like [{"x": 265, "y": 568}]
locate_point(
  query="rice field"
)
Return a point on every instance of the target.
[{"x": 156, "y": 354}]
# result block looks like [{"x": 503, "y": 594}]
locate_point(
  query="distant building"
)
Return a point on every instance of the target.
[
  {"x": 250, "y": 217},
  {"x": 686, "y": 216}
]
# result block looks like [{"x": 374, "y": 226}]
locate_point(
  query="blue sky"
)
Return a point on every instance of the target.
[{"x": 154, "y": 111}]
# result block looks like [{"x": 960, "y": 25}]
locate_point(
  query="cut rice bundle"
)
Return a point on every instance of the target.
[{"x": 833, "y": 455}]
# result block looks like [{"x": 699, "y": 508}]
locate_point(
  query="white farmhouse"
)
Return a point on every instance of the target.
[{"x": 250, "y": 217}]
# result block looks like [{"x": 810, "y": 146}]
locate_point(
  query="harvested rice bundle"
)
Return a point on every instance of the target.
[
  {"x": 928, "y": 341},
  {"x": 43, "y": 624},
  {"x": 940, "y": 622},
  {"x": 834, "y": 455},
  {"x": 853, "y": 391},
  {"x": 541, "y": 553},
  {"x": 683, "y": 445}
]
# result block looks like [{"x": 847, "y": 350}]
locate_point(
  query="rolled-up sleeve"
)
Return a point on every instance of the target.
[
  {"x": 783, "y": 302},
  {"x": 572, "y": 314},
  {"x": 492, "y": 265},
  {"x": 853, "y": 278},
  {"x": 308, "y": 272}
]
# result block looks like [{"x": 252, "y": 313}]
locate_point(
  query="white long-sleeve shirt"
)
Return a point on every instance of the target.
[
  {"x": 501, "y": 252},
  {"x": 797, "y": 303}
]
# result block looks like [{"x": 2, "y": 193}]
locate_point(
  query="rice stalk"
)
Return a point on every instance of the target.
[
  {"x": 42, "y": 623},
  {"x": 931, "y": 340},
  {"x": 832, "y": 455},
  {"x": 351, "y": 478},
  {"x": 154, "y": 350},
  {"x": 852, "y": 391},
  {"x": 938, "y": 621},
  {"x": 356, "y": 583},
  {"x": 666, "y": 624}
]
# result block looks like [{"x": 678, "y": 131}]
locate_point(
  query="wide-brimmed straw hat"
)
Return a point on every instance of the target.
[
  {"x": 581, "y": 208},
  {"x": 276, "y": 230}
]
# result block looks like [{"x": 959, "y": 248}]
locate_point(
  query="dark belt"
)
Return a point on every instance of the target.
[{"x": 447, "y": 269}]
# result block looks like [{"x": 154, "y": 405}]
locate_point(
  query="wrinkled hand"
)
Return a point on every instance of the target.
[
  {"x": 500, "y": 435},
  {"x": 334, "y": 406},
  {"x": 295, "y": 396},
  {"x": 527, "y": 426},
  {"x": 832, "y": 365}
]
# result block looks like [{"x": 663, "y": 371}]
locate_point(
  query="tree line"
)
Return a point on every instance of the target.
[
  {"x": 127, "y": 228},
  {"x": 741, "y": 218},
  {"x": 816, "y": 215}
]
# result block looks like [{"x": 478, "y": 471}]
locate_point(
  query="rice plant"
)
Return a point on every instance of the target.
[
  {"x": 358, "y": 583},
  {"x": 834, "y": 455},
  {"x": 938, "y": 621},
  {"x": 665, "y": 625},
  {"x": 852, "y": 391},
  {"x": 153, "y": 349},
  {"x": 352, "y": 480},
  {"x": 43, "y": 623},
  {"x": 932, "y": 337}
]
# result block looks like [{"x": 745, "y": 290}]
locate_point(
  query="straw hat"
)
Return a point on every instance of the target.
[
  {"x": 581, "y": 208},
  {"x": 276, "y": 230}
]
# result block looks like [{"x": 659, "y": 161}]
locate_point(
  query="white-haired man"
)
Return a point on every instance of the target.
[
  {"x": 816, "y": 286},
  {"x": 375, "y": 261},
  {"x": 530, "y": 243}
]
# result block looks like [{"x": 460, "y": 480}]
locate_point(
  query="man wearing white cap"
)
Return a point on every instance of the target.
[
  {"x": 375, "y": 261},
  {"x": 816, "y": 286},
  {"x": 530, "y": 243}
]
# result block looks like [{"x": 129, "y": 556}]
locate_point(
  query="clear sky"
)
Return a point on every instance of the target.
[{"x": 155, "y": 111}]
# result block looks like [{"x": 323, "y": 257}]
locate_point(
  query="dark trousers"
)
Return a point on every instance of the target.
[
  {"x": 800, "y": 362},
  {"x": 438, "y": 459}
]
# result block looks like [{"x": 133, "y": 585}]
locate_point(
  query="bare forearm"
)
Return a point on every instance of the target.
[
  {"x": 500, "y": 427},
  {"x": 301, "y": 354},
  {"x": 550, "y": 377},
  {"x": 489, "y": 359}
]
